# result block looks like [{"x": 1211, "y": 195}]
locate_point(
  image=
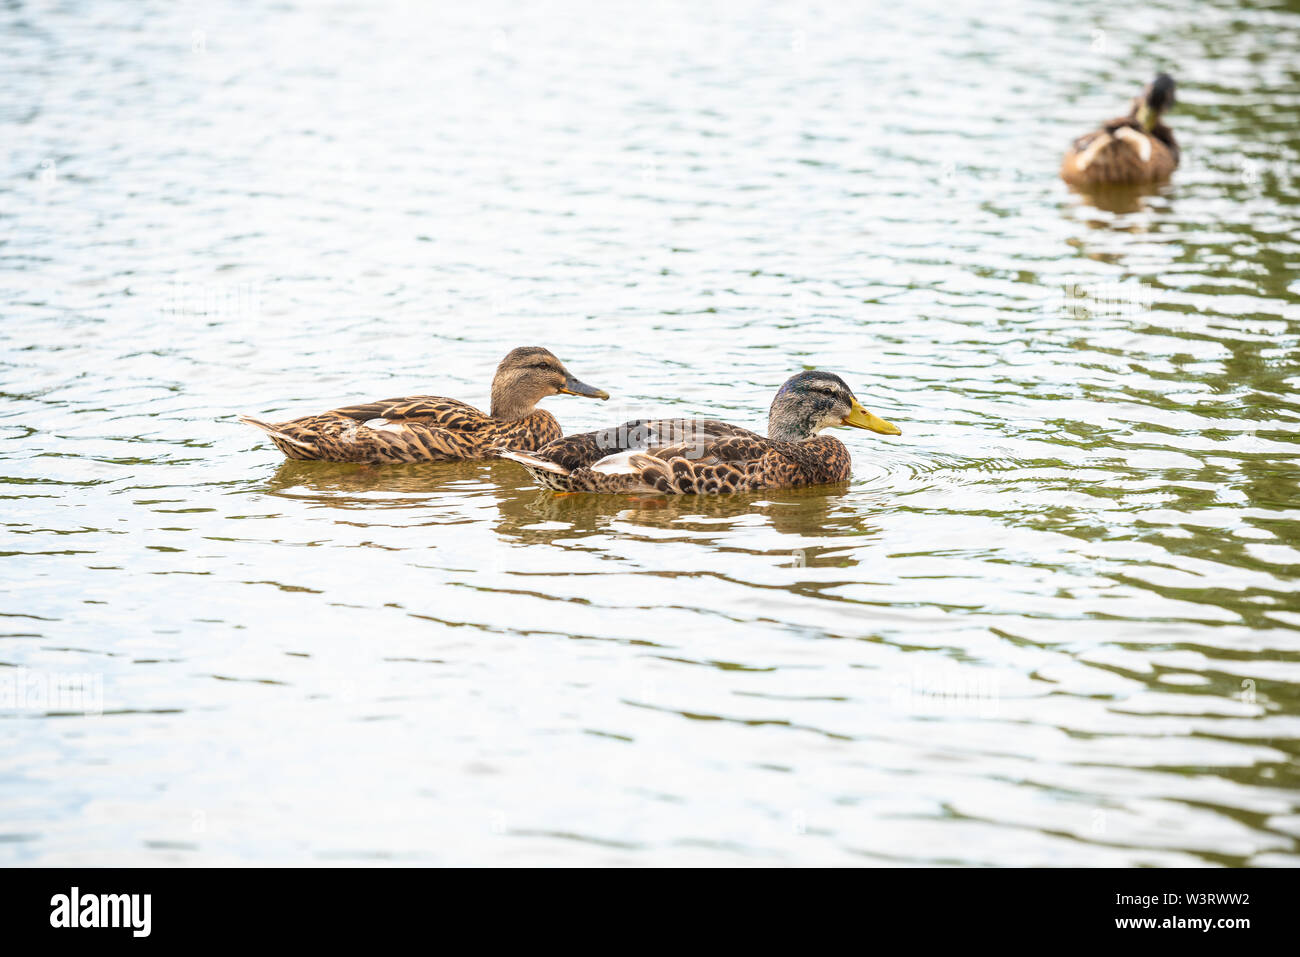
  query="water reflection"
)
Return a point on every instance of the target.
[
  {"x": 528, "y": 515},
  {"x": 1119, "y": 201},
  {"x": 551, "y": 518},
  {"x": 350, "y": 485}
]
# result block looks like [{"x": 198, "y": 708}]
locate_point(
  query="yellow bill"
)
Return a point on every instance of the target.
[{"x": 860, "y": 418}]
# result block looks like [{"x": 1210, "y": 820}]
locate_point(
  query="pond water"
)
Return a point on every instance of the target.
[{"x": 1055, "y": 622}]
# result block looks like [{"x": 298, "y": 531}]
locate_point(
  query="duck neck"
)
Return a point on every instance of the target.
[
  {"x": 509, "y": 406},
  {"x": 786, "y": 428}
]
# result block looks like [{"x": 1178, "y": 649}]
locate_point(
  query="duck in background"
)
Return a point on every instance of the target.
[
  {"x": 1129, "y": 150},
  {"x": 428, "y": 428},
  {"x": 702, "y": 456}
]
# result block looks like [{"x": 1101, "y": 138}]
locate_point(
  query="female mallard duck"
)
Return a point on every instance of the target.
[
  {"x": 428, "y": 428},
  {"x": 1128, "y": 150},
  {"x": 694, "y": 456}
]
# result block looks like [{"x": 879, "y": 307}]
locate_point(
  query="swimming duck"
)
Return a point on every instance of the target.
[
  {"x": 701, "y": 456},
  {"x": 1132, "y": 149},
  {"x": 428, "y": 428}
]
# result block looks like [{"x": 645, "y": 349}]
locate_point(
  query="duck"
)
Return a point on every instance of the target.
[
  {"x": 704, "y": 456},
  {"x": 430, "y": 428},
  {"x": 1128, "y": 150}
]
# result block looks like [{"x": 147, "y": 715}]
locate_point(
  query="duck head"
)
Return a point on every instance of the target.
[
  {"x": 529, "y": 374},
  {"x": 1155, "y": 99},
  {"x": 812, "y": 401}
]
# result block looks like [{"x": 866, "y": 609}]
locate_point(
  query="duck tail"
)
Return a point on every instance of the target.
[
  {"x": 257, "y": 423},
  {"x": 533, "y": 463},
  {"x": 280, "y": 438}
]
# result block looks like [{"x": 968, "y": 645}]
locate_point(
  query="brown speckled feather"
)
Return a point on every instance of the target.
[
  {"x": 587, "y": 448},
  {"x": 422, "y": 428},
  {"x": 1118, "y": 161},
  {"x": 685, "y": 457}
]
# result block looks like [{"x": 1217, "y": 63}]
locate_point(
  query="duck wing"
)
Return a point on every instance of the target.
[
  {"x": 421, "y": 428},
  {"x": 433, "y": 410},
  {"x": 585, "y": 449},
  {"x": 738, "y": 463},
  {"x": 1121, "y": 152}
]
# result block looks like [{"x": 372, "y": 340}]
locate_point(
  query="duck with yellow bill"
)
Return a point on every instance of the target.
[{"x": 703, "y": 456}]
